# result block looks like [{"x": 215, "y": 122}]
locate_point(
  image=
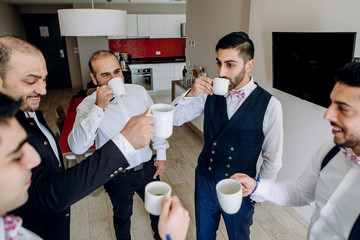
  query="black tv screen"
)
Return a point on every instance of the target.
[{"x": 304, "y": 63}]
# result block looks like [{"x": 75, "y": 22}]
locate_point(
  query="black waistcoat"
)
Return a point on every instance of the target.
[{"x": 234, "y": 145}]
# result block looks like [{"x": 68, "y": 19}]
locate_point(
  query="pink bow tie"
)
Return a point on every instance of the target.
[
  {"x": 237, "y": 93},
  {"x": 351, "y": 156},
  {"x": 12, "y": 226}
]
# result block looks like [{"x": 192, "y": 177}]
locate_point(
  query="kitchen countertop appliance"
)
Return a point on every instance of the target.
[
  {"x": 123, "y": 59},
  {"x": 124, "y": 62},
  {"x": 143, "y": 77}
]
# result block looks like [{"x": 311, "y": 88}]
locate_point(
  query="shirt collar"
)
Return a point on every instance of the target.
[{"x": 249, "y": 87}]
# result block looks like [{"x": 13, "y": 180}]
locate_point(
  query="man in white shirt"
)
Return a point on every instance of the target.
[
  {"x": 237, "y": 128},
  {"x": 99, "y": 116},
  {"x": 54, "y": 189},
  {"x": 18, "y": 157},
  {"x": 332, "y": 178}
]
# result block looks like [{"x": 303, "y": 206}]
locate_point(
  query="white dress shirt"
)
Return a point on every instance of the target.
[
  {"x": 94, "y": 124},
  {"x": 188, "y": 108},
  {"x": 334, "y": 190},
  {"x": 46, "y": 132}
]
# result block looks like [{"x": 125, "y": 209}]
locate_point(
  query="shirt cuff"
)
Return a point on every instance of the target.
[
  {"x": 161, "y": 154},
  {"x": 127, "y": 149},
  {"x": 96, "y": 113},
  {"x": 263, "y": 188}
]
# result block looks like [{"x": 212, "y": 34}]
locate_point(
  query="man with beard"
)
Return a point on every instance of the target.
[
  {"x": 332, "y": 178},
  {"x": 98, "y": 118},
  {"x": 238, "y": 127},
  {"x": 53, "y": 190}
]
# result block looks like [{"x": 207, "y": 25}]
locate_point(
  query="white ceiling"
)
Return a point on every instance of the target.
[{"x": 47, "y": 2}]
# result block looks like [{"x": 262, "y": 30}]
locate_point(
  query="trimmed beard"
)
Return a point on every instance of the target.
[{"x": 237, "y": 79}]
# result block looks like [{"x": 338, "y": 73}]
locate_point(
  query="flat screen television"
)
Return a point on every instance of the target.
[{"x": 304, "y": 63}]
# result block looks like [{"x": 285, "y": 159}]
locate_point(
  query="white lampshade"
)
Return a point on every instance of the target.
[{"x": 92, "y": 22}]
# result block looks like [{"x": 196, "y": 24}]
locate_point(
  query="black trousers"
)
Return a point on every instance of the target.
[{"x": 121, "y": 190}]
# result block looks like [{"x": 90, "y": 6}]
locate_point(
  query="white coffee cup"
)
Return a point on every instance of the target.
[
  {"x": 220, "y": 86},
  {"x": 154, "y": 194},
  {"x": 117, "y": 86},
  {"x": 164, "y": 115},
  {"x": 229, "y": 194}
]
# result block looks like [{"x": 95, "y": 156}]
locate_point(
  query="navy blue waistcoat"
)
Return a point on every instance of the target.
[{"x": 233, "y": 146}]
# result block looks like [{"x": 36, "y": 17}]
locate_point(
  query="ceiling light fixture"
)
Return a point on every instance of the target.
[{"x": 92, "y": 22}]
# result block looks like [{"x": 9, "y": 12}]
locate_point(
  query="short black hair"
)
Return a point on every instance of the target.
[
  {"x": 239, "y": 41},
  {"x": 349, "y": 74},
  {"x": 8, "y": 107}
]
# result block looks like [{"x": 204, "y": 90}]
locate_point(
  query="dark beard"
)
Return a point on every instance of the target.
[{"x": 237, "y": 79}]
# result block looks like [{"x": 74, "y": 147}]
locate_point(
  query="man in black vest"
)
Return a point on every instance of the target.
[
  {"x": 53, "y": 190},
  {"x": 332, "y": 178},
  {"x": 238, "y": 127}
]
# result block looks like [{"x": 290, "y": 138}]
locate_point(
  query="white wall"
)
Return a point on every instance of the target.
[
  {"x": 10, "y": 21},
  {"x": 74, "y": 62},
  {"x": 87, "y": 46},
  {"x": 206, "y": 22},
  {"x": 304, "y": 128}
]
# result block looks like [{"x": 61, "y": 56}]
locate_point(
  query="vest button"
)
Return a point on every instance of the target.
[
  {"x": 210, "y": 168},
  {"x": 120, "y": 169},
  {"x": 46, "y": 143},
  {"x": 211, "y": 160},
  {"x": 226, "y": 174},
  {"x": 232, "y": 148},
  {"x": 213, "y": 152},
  {"x": 111, "y": 175},
  {"x": 116, "y": 172},
  {"x": 67, "y": 215},
  {"x": 59, "y": 165},
  {"x": 228, "y": 166},
  {"x": 31, "y": 124},
  {"x": 230, "y": 157},
  {"x": 215, "y": 143}
]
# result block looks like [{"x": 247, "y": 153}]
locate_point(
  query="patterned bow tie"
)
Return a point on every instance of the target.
[
  {"x": 237, "y": 93},
  {"x": 350, "y": 155},
  {"x": 12, "y": 226}
]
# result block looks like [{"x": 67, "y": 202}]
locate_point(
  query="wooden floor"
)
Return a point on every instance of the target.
[{"x": 92, "y": 216}]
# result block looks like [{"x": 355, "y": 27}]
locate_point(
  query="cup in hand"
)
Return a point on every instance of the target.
[
  {"x": 154, "y": 193},
  {"x": 229, "y": 194},
  {"x": 220, "y": 86},
  {"x": 164, "y": 115},
  {"x": 117, "y": 86}
]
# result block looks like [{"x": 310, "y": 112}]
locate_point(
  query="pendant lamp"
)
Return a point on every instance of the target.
[{"x": 92, "y": 22}]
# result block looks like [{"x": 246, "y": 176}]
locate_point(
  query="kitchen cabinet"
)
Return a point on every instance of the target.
[
  {"x": 166, "y": 25},
  {"x": 153, "y": 26},
  {"x": 178, "y": 70},
  {"x": 157, "y": 26},
  {"x": 132, "y": 25},
  {"x": 173, "y": 23},
  {"x": 143, "y": 25}
]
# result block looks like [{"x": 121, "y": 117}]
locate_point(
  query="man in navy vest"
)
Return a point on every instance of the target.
[
  {"x": 238, "y": 127},
  {"x": 333, "y": 176}
]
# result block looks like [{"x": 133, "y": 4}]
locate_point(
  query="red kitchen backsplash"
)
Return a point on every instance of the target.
[{"x": 147, "y": 47}]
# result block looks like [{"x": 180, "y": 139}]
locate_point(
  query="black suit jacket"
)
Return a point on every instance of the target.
[{"x": 53, "y": 189}]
